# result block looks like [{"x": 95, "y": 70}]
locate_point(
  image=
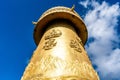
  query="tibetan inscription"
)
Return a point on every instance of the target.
[
  {"x": 79, "y": 40},
  {"x": 50, "y": 39},
  {"x": 75, "y": 45},
  {"x": 53, "y": 34},
  {"x": 49, "y": 44}
]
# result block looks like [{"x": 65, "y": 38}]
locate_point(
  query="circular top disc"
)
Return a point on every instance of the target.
[{"x": 60, "y": 12}]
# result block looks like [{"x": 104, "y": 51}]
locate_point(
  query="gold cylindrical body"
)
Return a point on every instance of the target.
[{"x": 60, "y": 55}]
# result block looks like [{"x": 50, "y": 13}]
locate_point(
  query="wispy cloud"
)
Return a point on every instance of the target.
[{"x": 103, "y": 43}]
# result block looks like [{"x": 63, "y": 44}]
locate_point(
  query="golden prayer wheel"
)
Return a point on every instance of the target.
[{"x": 60, "y": 35}]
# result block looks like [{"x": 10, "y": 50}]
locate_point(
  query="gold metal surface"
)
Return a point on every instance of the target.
[{"x": 60, "y": 54}]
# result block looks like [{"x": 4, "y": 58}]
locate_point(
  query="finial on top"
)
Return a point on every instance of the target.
[{"x": 73, "y": 7}]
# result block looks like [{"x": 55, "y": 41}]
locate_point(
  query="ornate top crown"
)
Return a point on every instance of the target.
[{"x": 60, "y": 12}]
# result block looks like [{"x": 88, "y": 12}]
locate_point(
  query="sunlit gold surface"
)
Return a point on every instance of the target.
[{"x": 60, "y": 55}]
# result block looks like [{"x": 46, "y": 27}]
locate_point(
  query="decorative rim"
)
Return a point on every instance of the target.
[{"x": 60, "y": 12}]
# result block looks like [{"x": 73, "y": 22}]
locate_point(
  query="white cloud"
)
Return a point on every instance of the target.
[
  {"x": 101, "y": 21},
  {"x": 84, "y": 3}
]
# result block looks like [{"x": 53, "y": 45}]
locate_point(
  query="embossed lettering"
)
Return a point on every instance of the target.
[
  {"x": 50, "y": 39},
  {"x": 49, "y": 44},
  {"x": 79, "y": 40},
  {"x": 53, "y": 34},
  {"x": 74, "y": 44}
]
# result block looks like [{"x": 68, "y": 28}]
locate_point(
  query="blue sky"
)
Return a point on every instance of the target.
[{"x": 102, "y": 19}]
